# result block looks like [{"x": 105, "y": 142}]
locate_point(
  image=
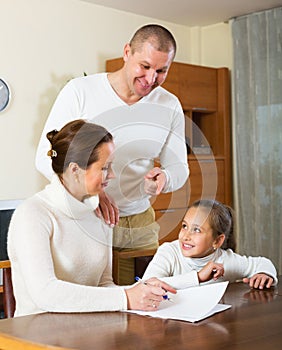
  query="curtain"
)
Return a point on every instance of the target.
[{"x": 257, "y": 133}]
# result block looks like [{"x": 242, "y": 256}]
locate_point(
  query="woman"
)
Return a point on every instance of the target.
[{"x": 60, "y": 251}]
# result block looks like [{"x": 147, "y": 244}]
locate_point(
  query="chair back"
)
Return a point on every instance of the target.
[
  {"x": 9, "y": 303},
  {"x": 8, "y": 295}
]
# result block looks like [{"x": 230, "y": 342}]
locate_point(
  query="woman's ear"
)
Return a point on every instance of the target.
[
  {"x": 74, "y": 168},
  {"x": 219, "y": 241}
]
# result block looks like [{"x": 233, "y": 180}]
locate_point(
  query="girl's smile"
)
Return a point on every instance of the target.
[{"x": 186, "y": 246}]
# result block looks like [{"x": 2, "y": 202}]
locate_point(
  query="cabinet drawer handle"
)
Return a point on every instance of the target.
[
  {"x": 167, "y": 210},
  {"x": 199, "y": 109},
  {"x": 206, "y": 161}
]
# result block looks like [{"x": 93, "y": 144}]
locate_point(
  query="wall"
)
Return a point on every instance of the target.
[
  {"x": 44, "y": 44},
  {"x": 211, "y": 45}
]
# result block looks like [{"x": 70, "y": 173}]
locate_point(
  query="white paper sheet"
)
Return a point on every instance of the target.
[{"x": 191, "y": 304}]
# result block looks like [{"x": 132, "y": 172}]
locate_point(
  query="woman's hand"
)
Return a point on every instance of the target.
[
  {"x": 259, "y": 281},
  {"x": 212, "y": 270},
  {"x": 148, "y": 295},
  {"x": 153, "y": 281}
]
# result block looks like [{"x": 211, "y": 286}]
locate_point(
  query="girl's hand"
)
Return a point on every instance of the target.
[
  {"x": 259, "y": 281},
  {"x": 212, "y": 270}
]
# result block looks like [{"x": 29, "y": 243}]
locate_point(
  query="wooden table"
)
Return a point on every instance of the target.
[{"x": 253, "y": 322}]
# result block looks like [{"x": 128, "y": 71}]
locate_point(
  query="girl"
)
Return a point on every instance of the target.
[{"x": 198, "y": 256}]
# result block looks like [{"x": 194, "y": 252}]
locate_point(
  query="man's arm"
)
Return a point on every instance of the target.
[{"x": 174, "y": 170}]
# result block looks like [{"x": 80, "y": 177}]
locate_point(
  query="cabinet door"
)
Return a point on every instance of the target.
[
  {"x": 114, "y": 64},
  {"x": 170, "y": 223},
  {"x": 198, "y": 87},
  {"x": 206, "y": 180},
  {"x": 176, "y": 199},
  {"x": 171, "y": 82}
]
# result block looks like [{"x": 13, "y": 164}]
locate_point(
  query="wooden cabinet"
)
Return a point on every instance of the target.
[
  {"x": 197, "y": 87},
  {"x": 170, "y": 209},
  {"x": 170, "y": 223},
  {"x": 204, "y": 93},
  {"x": 206, "y": 179}
]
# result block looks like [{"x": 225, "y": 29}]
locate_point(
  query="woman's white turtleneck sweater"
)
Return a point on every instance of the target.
[
  {"x": 170, "y": 266},
  {"x": 61, "y": 255}
]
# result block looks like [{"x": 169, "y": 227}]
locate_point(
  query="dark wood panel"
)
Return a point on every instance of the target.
[
  {"x": 171, "y": 200},
  {"x": 198, "y": 87},
  {"x": 114, "y": 64},
  {"x": 170, "y": 223},
  {"x": 172, "y": 83},
  {"x": 206, "y": 180}
]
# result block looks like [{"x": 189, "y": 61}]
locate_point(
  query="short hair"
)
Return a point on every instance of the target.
[
  {"x": 79, "y": 142},
  {"x": 221, "y": 220},
  {"x": 160, "y": 37}
]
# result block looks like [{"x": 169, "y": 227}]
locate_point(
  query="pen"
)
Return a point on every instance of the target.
[{"x": 165, "y": 297}]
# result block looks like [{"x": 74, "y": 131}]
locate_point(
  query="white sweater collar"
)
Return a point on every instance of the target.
[
  {"x": 59, "y": 198},
  {"x": 200, "y": 262}
]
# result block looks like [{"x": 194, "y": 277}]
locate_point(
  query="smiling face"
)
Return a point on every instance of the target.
[
  {"x": 146, "y": 68},
  {"x": 196, "y": 236}
]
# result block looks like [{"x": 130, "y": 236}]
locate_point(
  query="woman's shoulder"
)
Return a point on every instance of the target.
[{"x": 31, "y": 208}]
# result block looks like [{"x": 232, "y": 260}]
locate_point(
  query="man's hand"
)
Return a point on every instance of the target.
[
  {"x": 107, "y": 209},
  {"x": 155, "y": 181}
]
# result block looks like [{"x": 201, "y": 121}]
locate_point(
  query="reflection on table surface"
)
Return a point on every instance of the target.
[{"x": 254, "y": 321}]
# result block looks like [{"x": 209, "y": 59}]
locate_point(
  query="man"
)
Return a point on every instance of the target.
[{"x": 147, "y": 123}]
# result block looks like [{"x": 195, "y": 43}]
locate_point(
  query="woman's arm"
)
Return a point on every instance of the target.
[{"x": 33, "y": 269}]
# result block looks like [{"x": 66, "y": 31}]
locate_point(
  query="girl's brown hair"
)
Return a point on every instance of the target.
[
  {"x": 221, "y": 220},
  {"x": 79, "y": 142}
]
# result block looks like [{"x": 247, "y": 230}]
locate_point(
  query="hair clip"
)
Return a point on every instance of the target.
[{"x": 52, "y": 153}]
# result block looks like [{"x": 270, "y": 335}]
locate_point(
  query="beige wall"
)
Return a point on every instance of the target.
[
  {"x": 211, "y": 45},
  {"x": 45, "y": 43}
]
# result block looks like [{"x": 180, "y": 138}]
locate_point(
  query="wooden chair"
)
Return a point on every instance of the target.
[
  {"x": 141, "y": 260},
  {"x": 9, "y": 303}
]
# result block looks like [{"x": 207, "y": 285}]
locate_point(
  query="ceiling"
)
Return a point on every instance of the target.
[{"x": 190, "y": 12}]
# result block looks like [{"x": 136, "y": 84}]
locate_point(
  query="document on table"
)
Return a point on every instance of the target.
[{"x": 191, "y": 304}]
